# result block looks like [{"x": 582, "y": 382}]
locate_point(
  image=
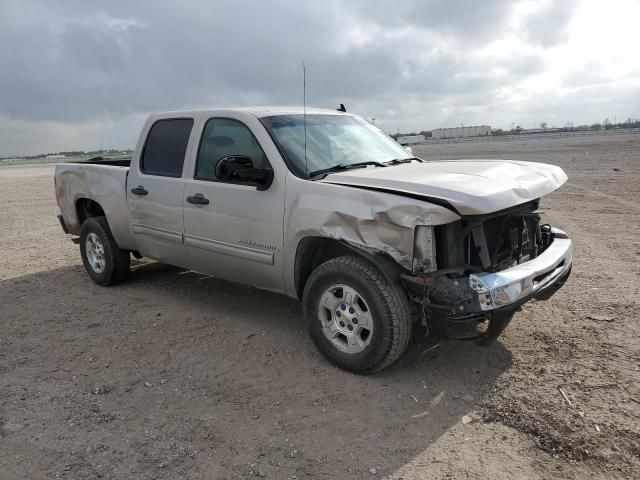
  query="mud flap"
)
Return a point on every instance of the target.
[{"x": 63, "y": 225}]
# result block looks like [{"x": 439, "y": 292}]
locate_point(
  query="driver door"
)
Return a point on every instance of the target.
[{"x": 232, "y": 230}]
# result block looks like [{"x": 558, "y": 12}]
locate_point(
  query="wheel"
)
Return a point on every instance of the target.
[
  {"x": 104, "y": 261},
  {"x": 358, "y": 319}
]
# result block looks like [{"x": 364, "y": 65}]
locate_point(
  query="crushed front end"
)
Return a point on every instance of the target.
[{"x": 473, "y": 274}]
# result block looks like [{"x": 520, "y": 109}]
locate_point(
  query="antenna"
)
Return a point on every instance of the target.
[{"x": 304, "y": 114}]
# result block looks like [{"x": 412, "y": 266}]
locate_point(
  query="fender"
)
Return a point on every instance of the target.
[{"x": 389, "y": 267}]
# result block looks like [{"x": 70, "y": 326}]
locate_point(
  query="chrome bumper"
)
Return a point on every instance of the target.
[{"x": 497, "y": 290}]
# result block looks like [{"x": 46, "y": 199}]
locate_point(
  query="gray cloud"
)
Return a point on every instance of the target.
[
  {"x": 79, "y": 66},
  {"x": 547, "y": 26}
]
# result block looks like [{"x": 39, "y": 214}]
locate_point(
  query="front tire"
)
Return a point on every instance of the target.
[
  {"x": 358, "y": 320},
  {"x": 104, "y": 261}
]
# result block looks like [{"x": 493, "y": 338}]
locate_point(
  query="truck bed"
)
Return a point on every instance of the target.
[
  {"x": 116, "y": 162},
  {"x": 103, "y": 181}
]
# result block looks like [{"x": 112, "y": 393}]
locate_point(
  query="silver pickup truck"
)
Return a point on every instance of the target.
[{"x": 324, "y": 207}]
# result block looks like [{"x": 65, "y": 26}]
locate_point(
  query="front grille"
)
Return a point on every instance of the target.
[{"x": 495, "y": 241}]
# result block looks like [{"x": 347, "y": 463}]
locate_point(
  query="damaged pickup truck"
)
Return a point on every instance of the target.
[{"x": 324, "y": 207}]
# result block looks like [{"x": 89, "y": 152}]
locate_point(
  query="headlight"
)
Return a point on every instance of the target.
[
  {"x": 507, "y": 294},
  {"x": 498, "y": 295}
]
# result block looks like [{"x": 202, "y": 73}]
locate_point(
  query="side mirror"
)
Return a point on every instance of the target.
[
  {"x": 240, "y": 168},
  {"x": 409, "y": 149}
]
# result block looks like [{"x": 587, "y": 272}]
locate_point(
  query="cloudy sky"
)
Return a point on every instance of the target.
[{"x": 81, "y": 74}]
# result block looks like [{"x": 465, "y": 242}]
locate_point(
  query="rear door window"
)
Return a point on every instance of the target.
[{"x": 166, "y": 146}]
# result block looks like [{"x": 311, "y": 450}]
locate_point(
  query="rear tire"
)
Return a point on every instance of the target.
[
  {"x": 358, "y": 320},
  {"x": 104, "y": 261}
]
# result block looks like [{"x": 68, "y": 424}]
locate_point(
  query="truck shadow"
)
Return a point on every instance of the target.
[{"x": 209, "y": 378}]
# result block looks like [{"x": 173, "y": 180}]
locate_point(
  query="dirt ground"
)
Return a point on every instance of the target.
[{"x": 176, "y": 375}]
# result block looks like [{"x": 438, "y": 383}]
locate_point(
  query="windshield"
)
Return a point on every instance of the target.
[{"x": 331, "y": 140}]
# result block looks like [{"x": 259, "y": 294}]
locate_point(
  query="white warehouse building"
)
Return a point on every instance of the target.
[
  {"x": 411, "y": 139},
  {"x": 458, "y": 132}
]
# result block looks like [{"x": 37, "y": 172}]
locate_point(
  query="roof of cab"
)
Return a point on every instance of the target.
[{"x": 259, "y": 112}]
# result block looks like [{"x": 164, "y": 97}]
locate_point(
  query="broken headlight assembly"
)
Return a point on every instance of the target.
[{"x": 495, "y": 296}]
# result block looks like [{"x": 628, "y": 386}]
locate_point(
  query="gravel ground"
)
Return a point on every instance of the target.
[{"x": 176, "y": 375}]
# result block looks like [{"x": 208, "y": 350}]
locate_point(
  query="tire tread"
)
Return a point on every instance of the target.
[
  {"x": 118, "y": 258},
  {"x": 393, "y": 298}
]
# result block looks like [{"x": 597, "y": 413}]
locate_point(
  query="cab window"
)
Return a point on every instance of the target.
[
  {"x": 166, "y": 146},
  {"x": 225, "y": 137}
]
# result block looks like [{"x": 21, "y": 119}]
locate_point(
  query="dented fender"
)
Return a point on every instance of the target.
[
  {"x": 105, "y": 185},
  {"x": 374, "y": 221}
]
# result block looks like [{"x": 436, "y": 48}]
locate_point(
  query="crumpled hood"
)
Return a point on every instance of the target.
[{"x": 471, "y": 187}]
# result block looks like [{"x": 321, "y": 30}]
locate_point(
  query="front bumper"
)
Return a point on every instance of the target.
[
  {"x": 496, "y": 290},
  {"x": 482, "y": 304}
]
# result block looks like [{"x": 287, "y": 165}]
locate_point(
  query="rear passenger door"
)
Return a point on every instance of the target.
[{"x": 155, "y": 190}]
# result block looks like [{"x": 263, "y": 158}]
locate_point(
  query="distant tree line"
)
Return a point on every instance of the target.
[
  {"x": 607, "y": 125},
  {"x": 75, "y": 153}
]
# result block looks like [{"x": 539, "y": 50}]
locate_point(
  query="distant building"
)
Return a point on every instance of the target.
[
  {"x": 411, "y": 139},
  {"x": 459, "y": 132},
  {"x": 542, "y": 130},
  {"x": 56, "y": 156}
]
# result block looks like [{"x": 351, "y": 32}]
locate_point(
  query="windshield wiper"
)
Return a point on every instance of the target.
[
  {"x": 345, "y": 166},
  {"x": 398, "y": 161}
]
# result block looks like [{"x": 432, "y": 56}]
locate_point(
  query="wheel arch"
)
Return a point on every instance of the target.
[
  {"x": 313, "y": 251},
  {"x": 88, "y": 208}
]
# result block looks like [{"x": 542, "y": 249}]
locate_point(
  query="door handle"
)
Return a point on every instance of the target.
[
  {"x": 139, "y": 190},
  {"x": 198, "y": 199}
]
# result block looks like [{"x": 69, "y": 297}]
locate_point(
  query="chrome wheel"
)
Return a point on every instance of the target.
[
  {"x": 345, "y": 318},
  {"x": 95, "y": 253}
]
